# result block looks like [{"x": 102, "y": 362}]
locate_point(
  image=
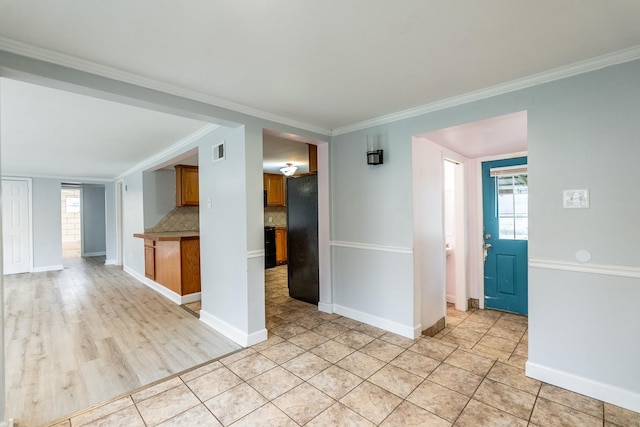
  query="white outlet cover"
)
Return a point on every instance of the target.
[{"x": 575, "y": 199}]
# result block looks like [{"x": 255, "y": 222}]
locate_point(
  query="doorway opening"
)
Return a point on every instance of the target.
[
  {"x": 455, "y": 234},
  {"x": 71, "y": 221},
  {"x": 290, "y": 222},
  {"x": 469, "y": 145}
]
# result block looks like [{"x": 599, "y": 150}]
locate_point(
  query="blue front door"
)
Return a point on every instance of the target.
[{"x": 506, "y": 231}]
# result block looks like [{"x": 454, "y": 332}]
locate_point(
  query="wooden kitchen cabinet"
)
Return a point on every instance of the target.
[
  {"x": 187, "y": 187},
  {"x": 149, "y": 259},
  {"x": 281, "y": 245},
  {"x": 274, "y": 185},
  {"x": 172, "y": 259}
]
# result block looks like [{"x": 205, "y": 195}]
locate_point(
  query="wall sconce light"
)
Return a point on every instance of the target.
[{"x": 374, "y": 153}]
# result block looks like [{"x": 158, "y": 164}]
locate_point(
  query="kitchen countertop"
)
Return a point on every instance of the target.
[{"x": 170, "y": 235}]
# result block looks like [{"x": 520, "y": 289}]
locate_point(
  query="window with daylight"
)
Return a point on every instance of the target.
[{"x": 513, "y": 206}]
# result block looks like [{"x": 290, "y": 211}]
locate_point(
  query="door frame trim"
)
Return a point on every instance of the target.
[
  {"x": 29, "y": 182},
  {"x": 476, "y": 241}
]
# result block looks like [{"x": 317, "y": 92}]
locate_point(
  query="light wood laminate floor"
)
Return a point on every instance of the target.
[{"x": 80, "y": 336}]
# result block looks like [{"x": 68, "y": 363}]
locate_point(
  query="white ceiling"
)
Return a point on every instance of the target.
[
  {"x": 325, "y": 63},
  {"x": 48, "y": 132},
  {"x": 490, "y": 137}
]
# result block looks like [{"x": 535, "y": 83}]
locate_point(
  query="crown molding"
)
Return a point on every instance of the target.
[
  {"x": 66, "y": 179},
  {"x": 69, "y": 61},
  {"x": 619, "y": 57},
  {"x": 174, "y": 149}
]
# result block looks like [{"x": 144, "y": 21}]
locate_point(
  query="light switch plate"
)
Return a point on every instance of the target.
[{"x": 575, "y": 199}]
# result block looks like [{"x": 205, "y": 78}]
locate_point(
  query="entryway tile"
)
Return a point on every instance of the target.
[
  {"x": 339, "y": 415},
  {"x": 371, "y": 401},
  {"x": 234, "y": 404},
  {"x": 439, "y": 400},
  {"x": 478, "y": 414},
  {"x": 408, "y": 415}
]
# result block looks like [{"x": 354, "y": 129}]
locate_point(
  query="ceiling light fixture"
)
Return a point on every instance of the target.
[{"x": 289, "y": 169}]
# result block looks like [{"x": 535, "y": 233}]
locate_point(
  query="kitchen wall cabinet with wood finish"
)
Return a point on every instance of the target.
[
  {"x": 173, "y": 260},
  {"x": 274, "y": 184},
  {"x": 281, "y": 245},
  {"x": 187, "y": 187}
]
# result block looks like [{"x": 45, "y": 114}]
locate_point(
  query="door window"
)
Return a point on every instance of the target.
[{"x": 513, "y": 207}]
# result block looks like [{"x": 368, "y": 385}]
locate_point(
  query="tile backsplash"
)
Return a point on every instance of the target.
[
  {"x": 278, "y": 216},
  {"x": 181, "y": 218}
]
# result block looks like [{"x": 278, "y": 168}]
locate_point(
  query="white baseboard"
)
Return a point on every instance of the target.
[
  {"x": 167, "y": 293},
  {"x": 90, "y": 254},
  {"x": 48, "y": 268},
  {"x": 231, "y": 332},
  {"x": 379, "y": 322},
  {"x": 186, "y": 299},
  {"x": 324, "y": 307},
  {"x": 606, "y": 392},
  {"x": 451, "y": 299},
  {"x": 111, "y": 262}
]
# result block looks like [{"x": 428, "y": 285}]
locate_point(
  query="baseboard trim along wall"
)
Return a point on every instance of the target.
[
  {"x": 90, "y": 254},
  {"x": 605, "y": 392},
  {"x": 186, "y": 299},
  {"x": 356, "y": 245},
  {"x": 48, "y": 268},
  {"x": 169, "y": 294},
  {"x": 379, "y": 322},
  {"x": 325, "y": 307},
  {"x": 231, "y": 332},
  {"x": 604, "y": 269},
  {"x": 110, "y": 262},
  {"x": 435, "y": 328}
]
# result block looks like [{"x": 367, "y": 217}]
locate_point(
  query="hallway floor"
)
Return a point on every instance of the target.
[
  {"x": 320, "y": 369},
  {"x": 88, "y": 333}
]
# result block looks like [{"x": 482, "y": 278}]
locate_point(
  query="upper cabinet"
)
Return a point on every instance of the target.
[
  {"x": 274, "y": 185},
  {"x": 187, "y": 186}
]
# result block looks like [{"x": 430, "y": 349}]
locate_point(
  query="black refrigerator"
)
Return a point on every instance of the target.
[{"x": 302, "y": 238}]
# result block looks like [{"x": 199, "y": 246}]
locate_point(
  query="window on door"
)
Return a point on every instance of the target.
[{"x": 513, "y": 207}]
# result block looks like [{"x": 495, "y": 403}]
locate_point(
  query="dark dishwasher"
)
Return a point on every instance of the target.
[{"x": 269, "y": 247}]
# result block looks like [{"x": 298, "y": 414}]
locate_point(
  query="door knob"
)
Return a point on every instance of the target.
[{"x": 487, "y": 245}]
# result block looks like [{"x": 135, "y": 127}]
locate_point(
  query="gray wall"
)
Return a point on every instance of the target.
[
  {"x": 110, "y": 222},
  {"x": 93, "y": 220},
  {"x": 47, "y": 228},
  {"x": 133, "y": 222},
  {"x": 583, "y": 133},
  {"x": 47, "y": 234},
  {"x": 159, "y": 192}
]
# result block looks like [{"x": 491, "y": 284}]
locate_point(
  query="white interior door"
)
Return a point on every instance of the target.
[{"x": 15, "y": 226}]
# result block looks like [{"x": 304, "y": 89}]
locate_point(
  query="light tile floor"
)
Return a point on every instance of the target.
[{"x": 320, "y": 369}]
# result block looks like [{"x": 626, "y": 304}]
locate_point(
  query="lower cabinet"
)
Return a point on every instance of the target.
[
  {"x": 281, "y": 245},
  {"x": 178, "y": 265},
  {"x": 150, "y": 259}
]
